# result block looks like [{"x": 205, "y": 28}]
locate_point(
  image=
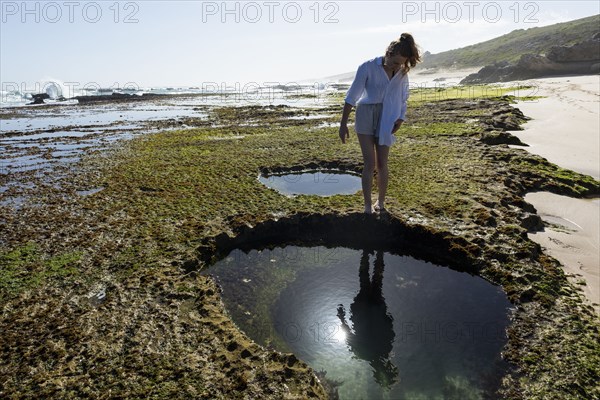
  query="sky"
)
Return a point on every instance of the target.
[{"x": 191, "y": 43}]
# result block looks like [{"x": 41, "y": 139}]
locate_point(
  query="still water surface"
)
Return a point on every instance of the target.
[
  {"x": 320, "y": 183},
  {"x": 385, "y": 326}
]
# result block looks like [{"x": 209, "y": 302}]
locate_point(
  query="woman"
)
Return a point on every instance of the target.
[{"x": 380, "y": 93}]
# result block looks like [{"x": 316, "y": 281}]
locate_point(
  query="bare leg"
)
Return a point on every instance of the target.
[
  {"x": 367, "y": 143},
  {"x": 382, "y": 173}
]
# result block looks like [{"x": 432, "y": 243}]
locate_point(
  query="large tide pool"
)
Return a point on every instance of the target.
[{"x": 380, "y": 325}]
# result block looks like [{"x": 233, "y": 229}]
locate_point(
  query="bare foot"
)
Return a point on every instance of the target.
[{"x": 379, "y": 208}]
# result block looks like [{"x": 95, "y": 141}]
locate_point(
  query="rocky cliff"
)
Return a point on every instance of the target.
[{"x": 579, "y": 59}]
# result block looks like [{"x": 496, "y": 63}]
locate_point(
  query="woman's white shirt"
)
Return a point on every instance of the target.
[{"x": 372, "y": 85}]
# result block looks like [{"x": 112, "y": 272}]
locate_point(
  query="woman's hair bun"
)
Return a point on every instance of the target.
[
  {"x": 406, "y": 47},
  {"x": 405, "y": 36}
]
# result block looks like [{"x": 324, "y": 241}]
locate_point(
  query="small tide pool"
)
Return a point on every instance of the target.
[
  {"x": 320, "y": 183},
  {"x": 380, "y": 325}
]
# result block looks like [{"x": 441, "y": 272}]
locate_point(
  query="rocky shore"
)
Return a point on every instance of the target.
[
  {"x": 580, "y": 58},
  {"x": 100, "y": 295}
]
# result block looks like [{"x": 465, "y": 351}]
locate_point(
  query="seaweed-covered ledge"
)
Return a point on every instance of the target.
[{"x": 99, "y": 295}]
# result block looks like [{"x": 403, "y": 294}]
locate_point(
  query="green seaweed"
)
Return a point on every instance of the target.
[{"x": 27, "y": 267}]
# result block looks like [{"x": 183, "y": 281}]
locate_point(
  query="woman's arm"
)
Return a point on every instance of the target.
[
  {"x": 403, "y": 103},
  {"x": 358, "y": 85},
  {"x": 344, "y": 133},
  {"x": 397, "y": 125},
  {"x": 404, "y": 94},
  {"x": 354, "y": 93}
]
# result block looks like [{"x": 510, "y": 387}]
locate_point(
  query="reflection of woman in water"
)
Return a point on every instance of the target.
[{"x": 373, "y": 335}]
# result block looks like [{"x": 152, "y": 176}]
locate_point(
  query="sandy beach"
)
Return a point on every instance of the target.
[
  {"x": 565, "y": 126},
  {"x": 565, "y": 129}
]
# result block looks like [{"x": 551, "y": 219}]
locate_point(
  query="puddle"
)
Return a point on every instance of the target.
[
  {"x": 89, "y": 192},
  {"x": 50, "y": 135},
  {"x": 13, "y": 202},
  {"x": 97, "y": 117},
  {"x": 320, "y": 183},
  {"x": 382, "y": 325},
  {"x": 327, "y": 125},
  {"x": 310, "y": 116}
]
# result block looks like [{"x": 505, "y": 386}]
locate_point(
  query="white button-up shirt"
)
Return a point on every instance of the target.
[{"x": 371, "y": 85}]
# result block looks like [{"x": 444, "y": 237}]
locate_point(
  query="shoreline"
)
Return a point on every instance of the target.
[{"x": 564, "y": 129}]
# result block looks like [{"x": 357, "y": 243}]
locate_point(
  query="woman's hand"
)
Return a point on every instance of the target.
[
  {"x": 397, "y": 125},
  {"x": 344, "y": 133}
]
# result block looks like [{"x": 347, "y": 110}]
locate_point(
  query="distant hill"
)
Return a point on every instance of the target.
[
  {"x": 505, "y": 49},
  {"x": 510, "y": 47}
]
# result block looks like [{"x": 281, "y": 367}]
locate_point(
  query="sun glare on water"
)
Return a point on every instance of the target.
[{"x": 339, "y": 335}]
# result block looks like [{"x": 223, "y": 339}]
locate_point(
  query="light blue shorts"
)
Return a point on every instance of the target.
[{"x": 366, "y": 120}]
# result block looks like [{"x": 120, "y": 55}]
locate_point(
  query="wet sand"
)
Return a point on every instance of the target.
[
  {"x": 565, "y": 124},
  {"x": 572, "y": 236},
  {"x": 565, "y": 129}
]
